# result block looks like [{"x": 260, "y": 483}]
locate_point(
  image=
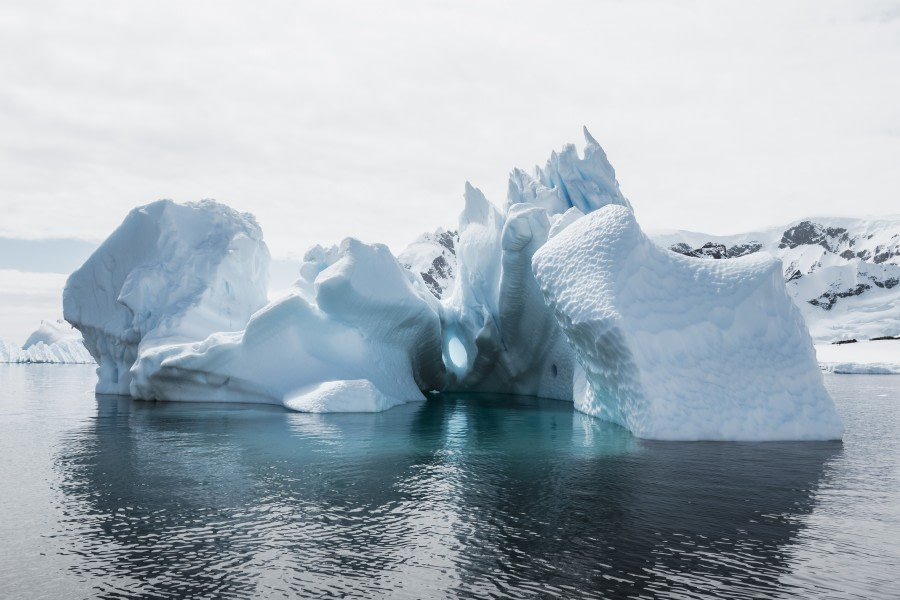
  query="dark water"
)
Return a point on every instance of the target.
[{"x": 460, "y": 496}]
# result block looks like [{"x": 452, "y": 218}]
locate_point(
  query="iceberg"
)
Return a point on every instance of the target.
[
  {"x": 55, "y": 341},
  {"x": 168, "y": 273},
  {"x": 557, "y": 294},
  {"x": 675, "y": 348}
]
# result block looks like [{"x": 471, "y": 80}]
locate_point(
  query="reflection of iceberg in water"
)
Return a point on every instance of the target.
[
  {"x": 460, "y": 494},
  {"x": 707, "y": 519}
]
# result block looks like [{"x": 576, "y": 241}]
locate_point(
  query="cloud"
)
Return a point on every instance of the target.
[{"x": 333, "y": 119}]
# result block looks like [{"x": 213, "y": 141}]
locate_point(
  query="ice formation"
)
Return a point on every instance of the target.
[
  {"x": 681, "y": 349},
  {"x": 499, "y": 335},
  {"x": 52, "y": 342},
  {"x": 173, "y": 307},
  {"x": 169, "y": 273},
  {"x": 358, "y": 333}
]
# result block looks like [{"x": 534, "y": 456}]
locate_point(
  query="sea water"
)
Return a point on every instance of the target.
[{"x": 468, "y": 496}]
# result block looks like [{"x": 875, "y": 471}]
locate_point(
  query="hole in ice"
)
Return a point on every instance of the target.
[
  {"x": 457, "y": 352},
  {"x": 553, "y": 369}
]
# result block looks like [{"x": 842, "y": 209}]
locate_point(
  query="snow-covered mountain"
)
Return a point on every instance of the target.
[
  {"x": 433, "y": 257},
  {"x": 843, "y": 273}
]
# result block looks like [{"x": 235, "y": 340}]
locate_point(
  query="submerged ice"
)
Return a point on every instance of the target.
[{"x": 172, "y": 306}]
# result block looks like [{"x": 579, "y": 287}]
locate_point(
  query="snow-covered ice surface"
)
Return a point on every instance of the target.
[
  {"x": 173, "y": 306},
  {"x": 864, "y": 357},
  {"x": 676, "y": 348}
]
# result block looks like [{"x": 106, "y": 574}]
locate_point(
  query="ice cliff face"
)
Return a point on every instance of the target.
[
  {"x": 680, "y": 349},
  {"x": 843, "y": 274},
  {"x": 173, "y": 307},
  {"x": 170, "y": 273}
]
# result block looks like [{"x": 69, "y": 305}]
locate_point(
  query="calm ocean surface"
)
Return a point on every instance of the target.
[{"x": 459, "y": 496}]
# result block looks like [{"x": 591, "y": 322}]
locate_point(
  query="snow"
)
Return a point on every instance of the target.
[
  {"x": 863, "y": 357},
  {"x": 678, "y": 348}
]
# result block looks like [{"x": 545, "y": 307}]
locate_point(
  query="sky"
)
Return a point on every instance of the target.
[{"x": 334, "y": 119}]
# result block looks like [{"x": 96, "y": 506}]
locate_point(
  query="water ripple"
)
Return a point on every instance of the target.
[{"x": 461, "y": 496}]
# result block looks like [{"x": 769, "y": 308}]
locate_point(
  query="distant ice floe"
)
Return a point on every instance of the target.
[
  {"x": 173, "y": 306},
  {"x": 52, "y": 342},
  {"x": 169, "y": 274}
]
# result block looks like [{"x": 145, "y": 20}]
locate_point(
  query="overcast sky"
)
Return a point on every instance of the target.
[{"x": 329, "y": 119}]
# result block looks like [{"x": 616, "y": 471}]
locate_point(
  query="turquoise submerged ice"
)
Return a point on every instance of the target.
[
  {"x": 681, "y": 349},
  {"x": 173, "y": 307}
]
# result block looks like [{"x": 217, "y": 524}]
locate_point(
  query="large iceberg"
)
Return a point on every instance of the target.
[
  {"x": 680, "y": 349},
  {"x": 173, "y": 307}
]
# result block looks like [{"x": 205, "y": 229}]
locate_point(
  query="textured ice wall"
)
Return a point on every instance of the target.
[
  {"x": 681, "y": 349},
  {"x": 567, "y": 181},
  {"x": 358, "y": 333},
  {"x": 169, "y": 273},
  {"x": 499, "y": 336}
]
